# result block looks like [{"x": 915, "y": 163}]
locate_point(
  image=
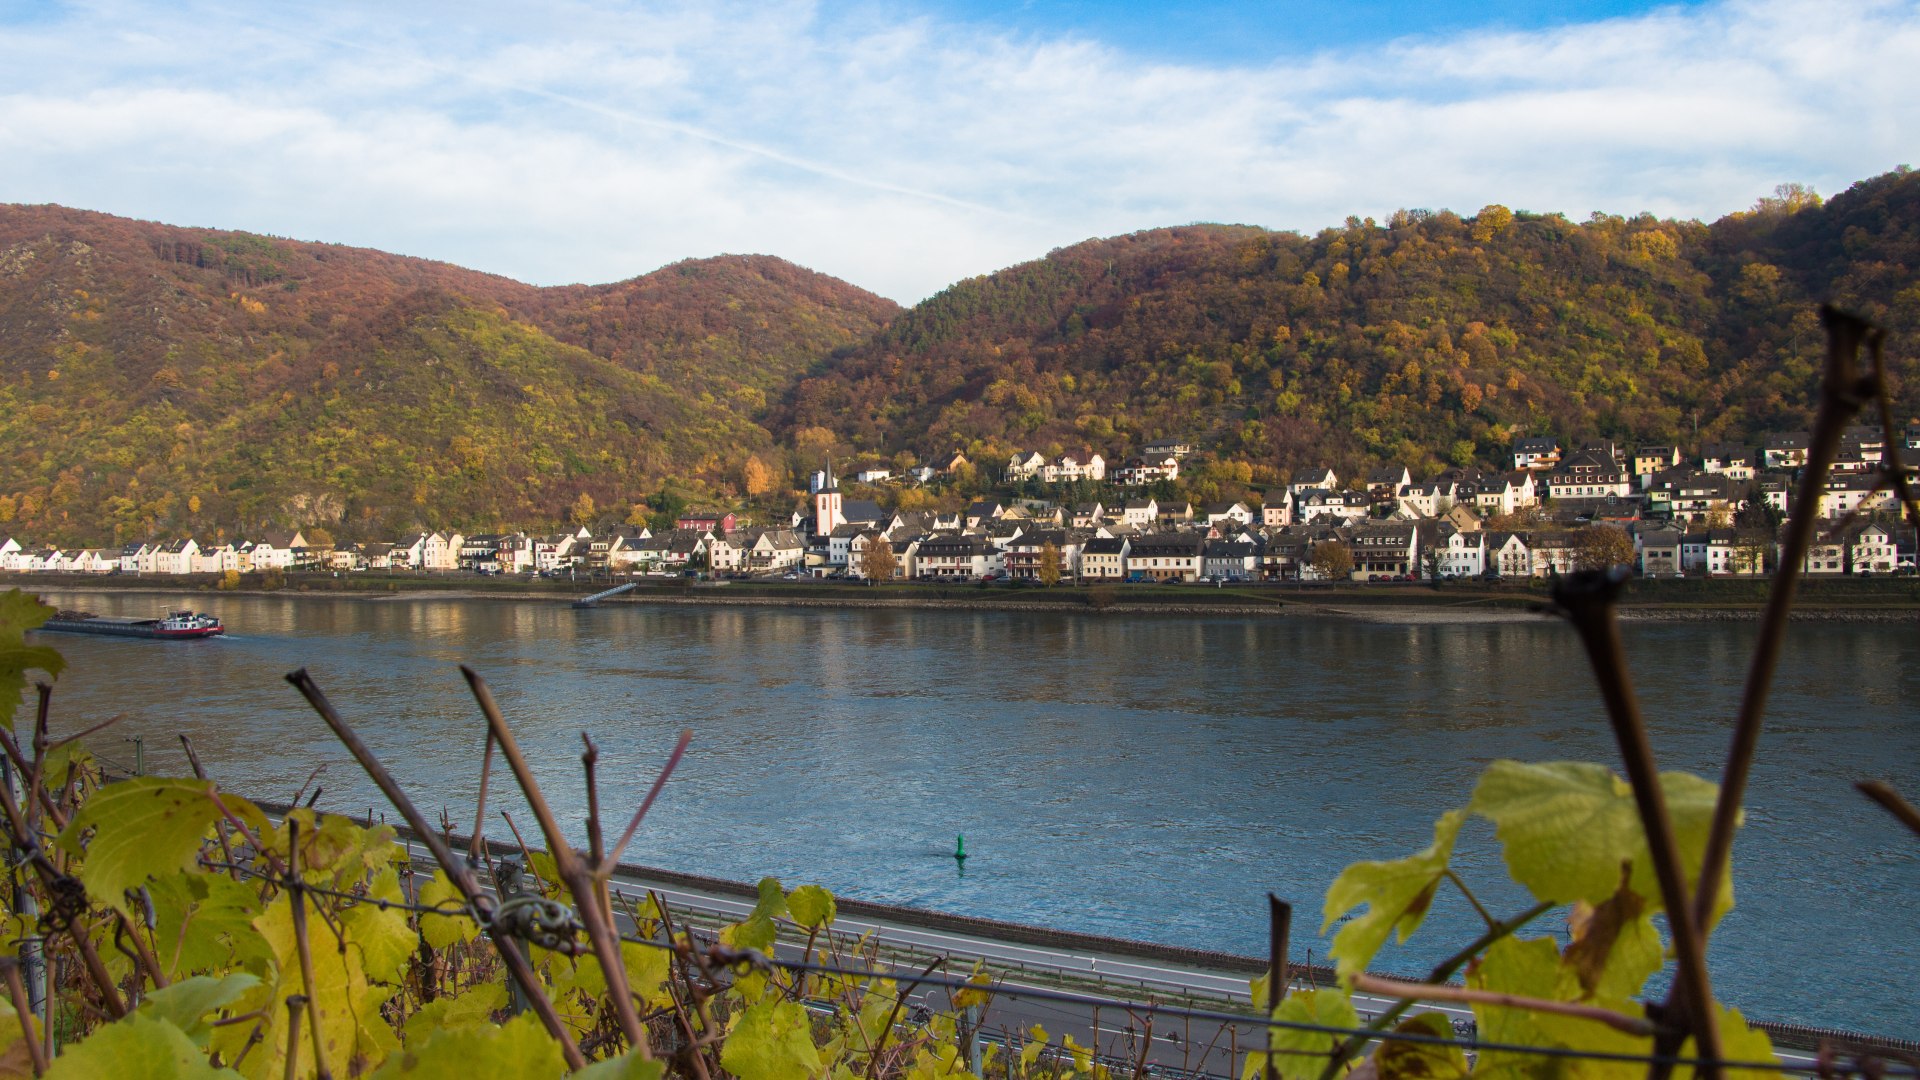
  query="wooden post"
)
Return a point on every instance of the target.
[{"x": 1279, "y": 925}]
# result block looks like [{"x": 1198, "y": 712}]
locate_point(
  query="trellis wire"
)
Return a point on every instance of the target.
[{"x": 1069, "y": 997}]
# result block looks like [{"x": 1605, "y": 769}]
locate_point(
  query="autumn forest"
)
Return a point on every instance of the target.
[{"x": 160, "y": 380}]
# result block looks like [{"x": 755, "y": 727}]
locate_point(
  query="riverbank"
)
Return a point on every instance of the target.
[{"x": 1852, "y": 600}]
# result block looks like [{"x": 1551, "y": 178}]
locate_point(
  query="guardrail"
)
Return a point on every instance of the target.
[{"x": 1203, "y": 964}]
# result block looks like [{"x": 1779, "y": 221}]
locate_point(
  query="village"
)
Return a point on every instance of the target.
[{"x": 1715, "y": 513}]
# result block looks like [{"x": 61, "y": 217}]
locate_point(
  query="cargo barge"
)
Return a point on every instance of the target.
[{"x": 175, "y": 624}]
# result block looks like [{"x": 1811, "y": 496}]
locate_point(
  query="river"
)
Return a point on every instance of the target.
[{"x": 1150, "y": 778}]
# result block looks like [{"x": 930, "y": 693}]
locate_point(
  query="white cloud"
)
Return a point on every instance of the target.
[{"x": 904, "y": 154}]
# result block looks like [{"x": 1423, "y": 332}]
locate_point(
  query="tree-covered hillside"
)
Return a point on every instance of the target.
[
  {"x": 1429, "y": 339},
  {"x": 157, "y": 380}
]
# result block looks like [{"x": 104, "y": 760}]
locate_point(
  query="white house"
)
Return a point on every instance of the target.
[
  {"x": 176, "y": 557},
  {"x": 1508, "y": 555},
  {"x": 1459, "y": 554},
  {"x": 1026, "y": 465},
  {"x": 1307, "y": 479}
]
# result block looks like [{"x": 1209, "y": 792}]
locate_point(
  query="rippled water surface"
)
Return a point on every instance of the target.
[{"x": 1147, "y": 778}]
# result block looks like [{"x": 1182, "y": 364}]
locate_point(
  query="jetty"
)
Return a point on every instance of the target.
[{"x": 594, "y": 600}]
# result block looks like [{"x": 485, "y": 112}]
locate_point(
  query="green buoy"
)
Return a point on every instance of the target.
[{"x": 960, "y": 849}]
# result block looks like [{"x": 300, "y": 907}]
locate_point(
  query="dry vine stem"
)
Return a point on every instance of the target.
[
  {"x": 458, "y": 872},
  {"x": 1588, "y": 598},
  {"x": 1891, "y": 801},
  {"x": 578, "y": 876}
]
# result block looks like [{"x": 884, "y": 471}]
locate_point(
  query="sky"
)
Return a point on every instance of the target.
[{"x": 907, "y": 145}]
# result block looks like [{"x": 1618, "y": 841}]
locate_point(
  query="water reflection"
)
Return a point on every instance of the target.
[{"x": 1148, "y": 778}]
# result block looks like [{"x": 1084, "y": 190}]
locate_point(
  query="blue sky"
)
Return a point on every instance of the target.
[
  {"x": 904, "y": 146},
  {"x": 1250, "y": 32}
]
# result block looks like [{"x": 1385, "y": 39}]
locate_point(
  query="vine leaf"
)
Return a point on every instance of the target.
[
  {"x": 1397, "y": 895},
  {"x": 812, "y": 907},
  {"x": 1532, "y": 968},
  {"x": 1398, "y": 1059},
  {"x": 144, "y": 828},
  {"x": 521, "y": 1047},
  {"x": 343, "y": 1006},
  {"x": 1615, "y": 946},
  {"x": 139, "y": 1047},
  {"x": 771, "y": 1041},
  {"x": 647, "y": 971},
  {"x": 442, "y": 931},
  {"x": 1031, "y": 1049},
  {"x": 14, "y": 1059},
  {"x": 61, "y": 761},
  {"x": 204, "y": 922},
  {"x": 624, "y": 1067},
  {"x": 1738, "y": 1042},
  {"x": 20, "y": 613},
  {"x": 186, "y": 1003},
  {"x": 385, "y": 940},
  {"x": 1566, "y": 827},
  {"x": 473, "y": 1008},
  {"x": 757, "y": 930},
  {"x": 1301, "y": 1055}
]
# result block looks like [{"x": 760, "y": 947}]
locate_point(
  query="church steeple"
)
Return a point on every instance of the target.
[{"x": 826, "y": 506}]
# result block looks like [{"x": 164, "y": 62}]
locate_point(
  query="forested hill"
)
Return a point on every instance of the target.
[
  {"x": 160, "y": 380},
  {"x": 1428, "y": 339},
  {"x": 157, "y": 380}
]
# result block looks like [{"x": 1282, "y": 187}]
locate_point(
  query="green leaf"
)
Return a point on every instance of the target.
[
  {"x": 384, "y": 939},
  {"x": 1532, "y": 968},
  {"x": 58, "y": 766},
  {"x": 343, "y": 1007},
  {"x": 1397, "y": 895},
  {"x": 1566, "y": 828},
  {"x": 647, "y": 971},
  {"x": 20, "y": 613},
  {"x": 772, "y": 1040},
  {"x": 812, "y": 907},
  {"x": 757, "y": 930},
  {"x": 474, "y": 1008},
  {"x": 1302, "y": 1055},
  {"x": 1738, "y": 1042},
  {"x": 186, "y": 1003},
  {"x": 624, "y": 1067},
  {"x": 444, "y": 930},
  {"x": 1398, "y": 1059},
  {"x": 11, "y": 1049},
  {"x": 520, "y": 1047},
  {"x": 138, "y": 1047},
  {"x": 204, "y": 922},
  {"x": 143, "y": 828}
]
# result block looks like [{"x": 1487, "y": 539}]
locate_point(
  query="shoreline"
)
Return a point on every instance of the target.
[{"x": 1518, "y": 608}]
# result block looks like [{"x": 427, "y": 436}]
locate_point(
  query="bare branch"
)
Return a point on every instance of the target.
[
  {"x": 1588, "y": 598},
  {"x": 1373, "y": 984},
  {"x": 1891, "y": 801},
  {"x": 673, "y": 761},
  {"x": 458, "y": 872},
  {"x": 1842, "y": 393}
]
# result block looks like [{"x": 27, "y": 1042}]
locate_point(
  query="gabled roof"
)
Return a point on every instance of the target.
[{"x": 1168, "y": 545}]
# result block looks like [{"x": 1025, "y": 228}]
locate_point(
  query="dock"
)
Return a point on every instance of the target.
[{"x": 594, "y": 600}]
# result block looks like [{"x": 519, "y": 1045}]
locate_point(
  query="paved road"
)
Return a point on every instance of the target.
[{"x": 1117, "y": 973}]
